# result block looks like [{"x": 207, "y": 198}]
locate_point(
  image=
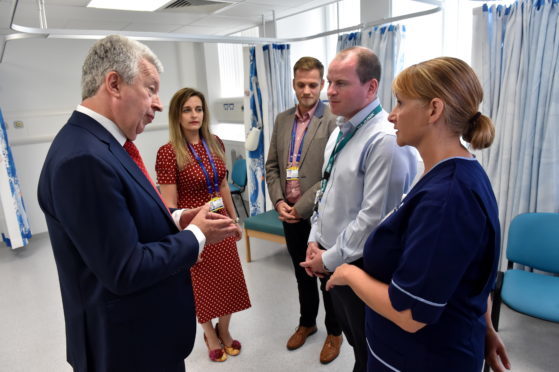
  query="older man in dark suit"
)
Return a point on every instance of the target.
[
  {"x": 293, "y": 173},
  {"x": 122, "y": 258}
]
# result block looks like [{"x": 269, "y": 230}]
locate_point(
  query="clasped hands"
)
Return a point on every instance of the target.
[
  {"x": 214, "y": 226},
  {"x": 313, "y": 263},
  {"x": 314, "y": 266},
  {"x": 286, "y": 213}
]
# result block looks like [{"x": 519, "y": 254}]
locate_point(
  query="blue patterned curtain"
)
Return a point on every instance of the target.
[
  {"x": 348, "y": 40},
  {"x": 270, "y": 94},
  {"x": 516, "y": 54},
  {"x": 16, "y": 223},
  {"x": 255, "y": 164}
]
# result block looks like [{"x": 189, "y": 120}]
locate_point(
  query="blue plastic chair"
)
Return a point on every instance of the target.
[
  {"x": 239, "y": 178},
  {"x": 533, "y": 242}
]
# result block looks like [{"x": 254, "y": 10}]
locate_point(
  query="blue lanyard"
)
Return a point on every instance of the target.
[
  {"x": 215, "y": 189},
  {"x": 292, "y": 145}
]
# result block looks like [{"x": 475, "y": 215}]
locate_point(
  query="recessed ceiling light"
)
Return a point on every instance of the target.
[{"x": 137, "y": 5}]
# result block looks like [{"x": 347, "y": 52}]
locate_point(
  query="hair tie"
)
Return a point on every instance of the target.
[{"x": 475, "y": 117}]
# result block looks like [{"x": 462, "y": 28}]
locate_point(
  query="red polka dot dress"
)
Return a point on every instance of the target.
[{"x": 218, "y": 281}]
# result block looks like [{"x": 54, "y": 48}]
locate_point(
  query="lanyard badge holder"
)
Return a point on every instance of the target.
[
  {"x": 216, "y": 202},
  {"x": 292, "y": 172}
]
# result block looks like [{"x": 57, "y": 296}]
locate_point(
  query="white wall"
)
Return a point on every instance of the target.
[{"x": 40, "y": 85}]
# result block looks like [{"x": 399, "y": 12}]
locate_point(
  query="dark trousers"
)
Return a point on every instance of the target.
[
  {"x": 296, "y": 236},
  {"x": 179, "y": 367},
  {"x": 350, "y": 311}
]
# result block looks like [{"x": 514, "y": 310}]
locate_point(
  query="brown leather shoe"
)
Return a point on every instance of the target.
[
  {"x": 331, "y": 348},
  {"x": 299, "y": 337}
]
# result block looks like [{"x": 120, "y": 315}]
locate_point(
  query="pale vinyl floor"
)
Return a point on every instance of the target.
[{"x": 32, "y": 323}]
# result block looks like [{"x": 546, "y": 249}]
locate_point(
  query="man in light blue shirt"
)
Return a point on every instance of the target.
[{"x": 365, "y": 175}]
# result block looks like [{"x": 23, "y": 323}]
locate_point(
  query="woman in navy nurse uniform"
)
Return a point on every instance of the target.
[{"x": 430, "y": 265}]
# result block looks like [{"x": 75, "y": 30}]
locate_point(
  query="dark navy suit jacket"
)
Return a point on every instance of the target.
[{"x": 122, "y": 263}]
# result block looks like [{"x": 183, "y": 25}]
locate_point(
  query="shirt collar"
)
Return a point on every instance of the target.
[
  {"x": 107, "y": 123},
  {"x": 346, "y": 125},
  {"x": 309, "y": 113}
]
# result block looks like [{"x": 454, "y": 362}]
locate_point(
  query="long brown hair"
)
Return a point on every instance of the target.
[
  {"x": 176, "y": 136},
  {"x": 456, "y": 83}
]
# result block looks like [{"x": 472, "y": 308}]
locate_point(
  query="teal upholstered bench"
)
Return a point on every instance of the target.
[{"x": 263, "y": 226}]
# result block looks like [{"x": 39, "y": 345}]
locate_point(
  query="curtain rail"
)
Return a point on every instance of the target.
[{"x": 30, "y": 32}]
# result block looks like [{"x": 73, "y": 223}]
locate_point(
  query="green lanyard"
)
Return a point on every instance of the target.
[{"x": 340, "y": 144}]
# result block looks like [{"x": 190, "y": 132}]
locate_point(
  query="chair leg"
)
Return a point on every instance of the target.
[
  {"x": 244, "y": 206},
  {"x": 496, "y": 308},
  {"x": 247, "y": 243},
  {"x": 235, "y": 205}
]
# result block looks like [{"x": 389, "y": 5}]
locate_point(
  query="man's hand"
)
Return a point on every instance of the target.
[
  {"x": 312, "y": 248},
  {"x": 187, "y": 215},
  {"x": 313, "y": 264},
  {"x": 293, "y": 216},
  {"x": 284, "y": 210},
  {"x": 214, "y": 226}
]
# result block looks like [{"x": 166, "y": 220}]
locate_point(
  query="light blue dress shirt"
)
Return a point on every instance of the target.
[{"x": 369, "y": 177}]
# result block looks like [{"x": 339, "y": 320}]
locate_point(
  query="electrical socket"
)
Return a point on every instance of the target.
[{"x": 18, "y": 124}]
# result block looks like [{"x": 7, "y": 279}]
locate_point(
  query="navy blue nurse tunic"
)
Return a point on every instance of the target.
[{"x": 439, "y": 253}]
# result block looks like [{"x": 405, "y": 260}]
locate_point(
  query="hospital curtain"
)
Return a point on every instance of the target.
[
  {"x": 348, "y": 40},
  {"x": 16, "y": 223},
  {"x": 516, "y": 53},
  {"x": 386, "y": 42},
  {"x": 270, "y": 93}
]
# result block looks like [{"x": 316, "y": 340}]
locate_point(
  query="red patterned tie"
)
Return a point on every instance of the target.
[{"x": 132, "y": 150}]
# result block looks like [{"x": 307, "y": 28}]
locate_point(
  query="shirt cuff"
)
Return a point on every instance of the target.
[
  {"x": 276, "y": 204},
  {"x": 192, "y": 228},
  {"x": 312, "y": 233},
  {"x": 177, "y": 217},
  {"x": 332, "y": 259},
  {"x": 199, "y": 236}
]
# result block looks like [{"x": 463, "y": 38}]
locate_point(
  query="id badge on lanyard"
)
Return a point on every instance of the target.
[
  {"x": 216, "y": 203},
  {"x": 292, "y": 173}
]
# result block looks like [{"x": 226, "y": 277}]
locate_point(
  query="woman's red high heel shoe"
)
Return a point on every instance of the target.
[
  {"x": 216, "y": 355},
  {"x": 234, "y": 349}
]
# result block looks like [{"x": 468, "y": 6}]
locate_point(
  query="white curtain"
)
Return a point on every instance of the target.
[
  {"x": 386, "y": 41},
  {"x": 516, "y": 52},
  {"x": 270, "y": 89},
  {"x": 11, "y": 200}
]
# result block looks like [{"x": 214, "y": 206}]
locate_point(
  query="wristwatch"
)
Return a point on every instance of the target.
[{"x": 236, "y": 220}]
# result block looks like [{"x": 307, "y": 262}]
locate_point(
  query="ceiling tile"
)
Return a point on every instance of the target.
[{"x": 200, "y": 20}]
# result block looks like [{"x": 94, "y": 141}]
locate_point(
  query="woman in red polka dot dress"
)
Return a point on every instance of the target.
[{"x": 191, "y": 172}]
